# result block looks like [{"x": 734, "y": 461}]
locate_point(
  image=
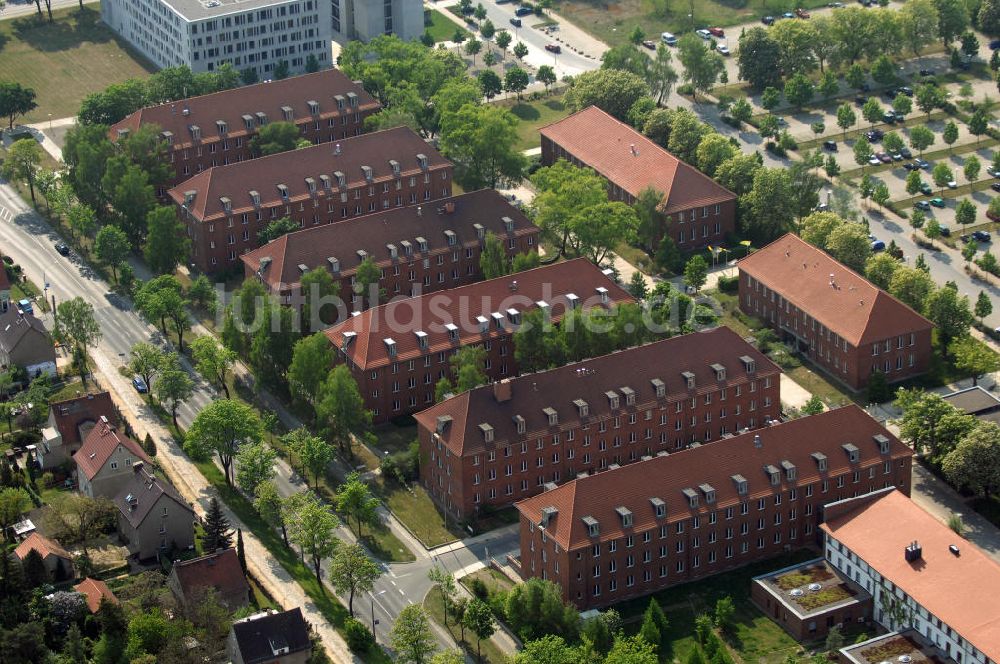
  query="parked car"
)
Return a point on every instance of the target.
[
  {"x": 788, "y": 15},
  {"x": 922, "y": 205},
  {"x": 937, "y": 202},
  {"x": 717, "y": 32},
  {"x": 516, "y": 22},
  {"x": 910, "y": 166},
  {"x": 801, "y": 13},
  {"x": 884, "y": 157},
  {"x": 723, "y": 50},
  {"x": 907, "y": 90},
  {"x": 994, "y": 44},
  {"x": 924, "y": 164},
  {"x": 835, "y": 5},
  {"x": 703, "y": 33},
  {"x": 649, "y": 44},
  {"x": 925, "y": 189},
  {"x": 62, "y": 249},
  {"x": 995, "y": 186},
  {"x": 877, "y": 246},
  {"x": 767, "y": 20},
  {"x": 906, "y": 153},
  {"x": 889, "y": 117},
  {"x": 926, "y": 72},
  {"x": 952, "y": 184},
  {"x": 874, "y": 135},
  {"x": 980, "y": 236},
  {"x": 874, "y": 160},
  {"x": 25, "y": 306},
  {"x": 553, "y": 48},
  {"x": 140, "y": 385},
  {"x": 669, "y": 38},
  {"x": 945, "y": 231},
  {"x": 523, "y": 11},
  {"x": 866, "y": 3},
  {"x": 830, "y": 145},
  {"x": 991, "y": 172},
  {"x": 896, "y": 156},
  {"x": 861, "y": 100}
]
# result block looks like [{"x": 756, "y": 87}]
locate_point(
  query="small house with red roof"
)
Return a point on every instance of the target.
[
  {"x": 58, "y": 560},
  {"x": 219, "y": 571},
  {"x": 702, "y": 211},
  {"x": 69, "y": 423},
  {"x": 104, "y": 463},
  {"x": 95, "y": 590}
]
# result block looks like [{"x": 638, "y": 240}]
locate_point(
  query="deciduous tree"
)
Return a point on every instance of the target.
[
  {"x": 312, "y": 528},
  {"x": 352, "y": 571},
  {"x": 411, "y": 635},
  {"x": 254, "y": 466},
  {"x": 167, "y": 243},
  {"x": 112, "y": 247},
  {"x": 975, "y": 461},
  {"x": 341, "y": 407},
  {"x": 222, "y": 427}
]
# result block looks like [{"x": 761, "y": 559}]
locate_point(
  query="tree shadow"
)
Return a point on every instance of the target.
[
  {"x": 526, "y": 112},
  {"x": 72, "y": 30}
]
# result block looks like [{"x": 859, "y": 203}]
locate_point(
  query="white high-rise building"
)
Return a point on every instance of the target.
[
  {"x": 366, "y": 19},
  {"x": 204, "y": 34}
]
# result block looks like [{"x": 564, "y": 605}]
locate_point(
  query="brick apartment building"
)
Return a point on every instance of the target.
[
  {"x": 637, "y": 529},
  {"x": 420, "y": 249},
  {"x": 500, "y": 443},
  {"x": 216, "y": 129},
  {"x": 226, "y": 206},
  {"x": 398, "y": 351},
  {"x": 703, "y": 212},
  {"x": 835, "y": 317}
]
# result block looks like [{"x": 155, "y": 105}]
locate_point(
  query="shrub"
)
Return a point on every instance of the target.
[
  {"x": 685, "y": 89},
  {"x": 359, "y": 639},
  {"x": 479, "y": 589},
  {"x": 729, "y": 284}
]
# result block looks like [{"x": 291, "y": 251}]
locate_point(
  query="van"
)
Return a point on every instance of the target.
[{"x": 669, "y": 39}]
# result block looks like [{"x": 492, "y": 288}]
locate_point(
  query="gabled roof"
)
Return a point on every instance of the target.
[
  {"x": 100, "y": 444},
  {"x": 259, "y": 637},
  {"x": 401, "y": 319},
  {"x": 140, "y": 494},
  {"x": 15, "y": 326},
  {"x": 589, "y": 381},
  {"x": 962, "y": 590},
  {"x": 71, "y": 413},
  {"x": 836, "y": 296},
  {"x": 371, "y": 233},
  {"x": 633, "y": 162},
  {"x": 43, "y": 545},
  {"x": 666, "y": 477},
  {"x": 230, "y": 106},
  {"x": 290, "y": 169},
  {"x": 219, "y": 570},
  {"x": 95, "y": 590}
]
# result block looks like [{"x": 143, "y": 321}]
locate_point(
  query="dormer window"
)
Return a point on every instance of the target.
[
  {"x": 421, "y": 339},
  {"x": 341, "y": 178},
  {"x": 773, "y": 474},
  {"x": 691, "y": 496},
  {"x": 422, "y": 243},
  {"x": 222, "y": 127},
  {"x": 311, "y": 185},
  {"x": 613, "y": 399},
  {"x": 340, "y": 101},
  {"x": 195, "y": 132},
  {"x": 390, "y": 346},
  {"x": 261, "y": 118},
  {"x": 189, "y": 196},
  {"x": 362, "y": 255},
  {"x": 484, "y": 324},
  {"x": 313, "y": 107},
  {"x": 602, "y": 293},
  {"x": 659, "y": 387},
  {"x": 452, "y": 330},
  {"x": 820, "y": 460},
  {"x": 582, "y": 407},
  {"x": 790, "y": 471},
  {"x": 227, "y": 205},
  {"x": 514, "y": 316},
  {"x": 593, "y": 528},
  {"x": 853, "y": 453},
  {"x": 487, "y": 431},
  {"x": 367, "y": 172},
  {"x": 883, "y": 443},
  {"x": 626, "y": 516},
  {"x": 422, "y": 160},
  {"x": 741, "y": 484},
  {"x": 519, "y": 423},
  {"x": 508, "y": 224},
  {"x": 283, "y": 191},
  {"x": 334, "y": 264},
  {"x": 393, "y": 252},
  {"x": 548, "y": 513},
  {"x": 353, "y": 99},
  {"x": 688, "y": 379},
  {"x": 122, "y": 133},
  {"x": 347, "y": 339},
  {"x": 407, "y": 247},
  {"x": 286, "y": 112},
  {"x": 709, "y": 492},
  {"x": 749, "y": 364},
  {"x": 497, "y": 320},
  {"x": 248, "y": 122},
  {"x": 167, "y": 136},
  {"x": 552, "y": 415},
  {"x": 255, "y": 198},
  {"x": 720, "y": 371},
  {"x": 480, "y": 231},
  {"x": 629, "y": 395},
  {"x": 544, "y": 307},
  {"x": 442, "y": 423},
  {"x": 659, "y": 507},
  {"x": 572, "y": 301},
  {"x": 452, "y": 238},
  {"x": 395, "y": 167}
]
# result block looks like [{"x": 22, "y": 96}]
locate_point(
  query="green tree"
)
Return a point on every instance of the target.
[
  {"x": 366, "y": 279},
  {"x": 166, "y": 242},
  {"x": 535, "y": 608},
  {"x": 834, "y": 639},
  {"x": 846, "y": 118},
  {"x": 881, "y": 194},
  {"x": 480, "y": 140},
  {"x": 479, "y": 619},
  {"x": 254, "y": 466},
  {"x": 112, "y": 247},
  {"x": 965, "y": 212},
  {"x": 702, "y": 67},
  {"x": 950, "y": 133},
  {"x": 473, "y": 47},
  {"x": 872, "y": 111},
  {"x": 989, "y": 17},
  {"x": 212, "y": 360},
  {"x": 919, "y": 24},
  {"x": 276, "y": 229},
  {"x": 978, "y": 123},
  {"x": 984, "y": 306},
  {"x": 222, "y": 427},
  {"x": 311, "y": 527},
  {"x": 13, "y": 503},
  {"x": 770, "y": 98},
  {"x": 493, "y": 260},
  {"x": 661, "y": 75},
  {"x": 15, "y": 100},
  {"x": 942, "y": 175},
  {"x": 799, "y": 90},
  {"x": 921, "y": 138},
  {"x": 271, "y": 507},
  {"x": 174, "y": 387},
  {"x": 76, "y": 324},
  {"x": 202, "y": 294},
  {"x": 352, "y": 571},
  {"x": 632, "y": 650},
  {"x": 953, "y": 19},
  {"x": 312, "y": 357},
  {"x": 564, "y": 191},
  {"x": 724, "y": 611},
  {"x": 468, "y": 364},
  {"x": 520, "y": 50},
  {"x": 131, "y": 195},
  {"x": 596, "y": 230},
  {"x": 975, "y": 462},
  {"x": 913, "y": 183},
  {"x": 880, "y": 268},
  {"x": 21, "y": 163},
  {"x": 713, "y": 151},
  {"x": 318, "y": 290},
  {"x": 928, "y": 98},
  {"x": 411, "y": 635},
  {"x": 849, "y": 244},
  {"x": 759, "y": 58},
  {"x": 489, "y": 83},
  {"x": 950, "y": 313},
  {"x": 355, "y": 501},
  {"x": 696, "y": 272},
  {"x": 612, "y": 90},
  {"x": 769, "y": 206},
  {"x": 855, "y": 76},
  {"x": 626, "y": 57},
  {"x": 973, "y": 357},
  {"x": 883, "y": 71},
  {"x": 341, "y": 408},
  {"x": 218, "y": 530},
  {"x": 814, "y": 406},
  {"x": 971, "y": 168},
  {"x": 546, "y": 75},
  {"x": 275, "y": 137},
  {"x": 862, "y": 152}
]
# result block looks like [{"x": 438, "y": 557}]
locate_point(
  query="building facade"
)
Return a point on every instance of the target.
[
  {"x": 500, "y": 443},
  {"x": 366, "y": 19},
  {"x": 419, "y": 249},
  {"x": 152, "y": 516},
  {"x": 702, "y": 212},
  {"x": 921, "y": 574},
  {"x": 104, "y": 462},
  {"x": 398, "y": 352},
  {"x": 839, "y": 320},
  {"x": 69, "y": 423},
  {"x": 225, "y": 207},
  {"x": 218, "y": 129},
  {"x": 206, "y": 34},
  {"x": 25, "y": 343},
  {"x": 637, "y": 529}
]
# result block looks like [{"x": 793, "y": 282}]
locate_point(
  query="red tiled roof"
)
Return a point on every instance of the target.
[
  {"x": 95, "y": 590},
  {"x": 263, "y": 175},
  {"x": 219, "y": 570},
  {"x": 100, "y": 444},
  {"x": 590, "y": 380},
  {"x": 666, "y": 477},
  {"x": 71, "y": 413},
  {"x": 313, "y": 247},
  {"x": 963, "y": 591},
  {"x": 231, "y": 105},
  {"x": 633, "y": 162},
  {"x": 43, "y": 545},
  {"x": 852, "y": 307},
  {"x": 402, "y": 318}
]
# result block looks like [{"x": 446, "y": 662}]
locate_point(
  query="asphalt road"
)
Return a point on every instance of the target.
[{"x": 19, "y": 8}]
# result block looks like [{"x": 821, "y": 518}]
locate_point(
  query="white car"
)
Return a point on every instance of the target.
[
  {"x": 874, "y": 161},
  {"x": 669, "y": 38},
  {"x": 703, "y": 33},
  {"x": 952, "y": 184},
  {"x": 722, "y": 49}
]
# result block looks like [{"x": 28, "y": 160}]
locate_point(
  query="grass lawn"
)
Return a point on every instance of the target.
[
  {"x": 613, "y": 20},
  {"x": 817, "y": 383},
  {"x": 74, "y": 388},
  {"x": 443, "y": 28},
  {"x": 535, "y": 114},
  {"x": 494, "y": 580},
  {"x": 434, "y": 605},
  {"x": 415, "y": 510},
  {"x": 66, "y": 60}
]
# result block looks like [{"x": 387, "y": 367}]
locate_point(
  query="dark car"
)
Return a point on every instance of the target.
[
  {"x": 553, "y": 48},
  {"x": 650, "y": 45},
  {"x": 62, "y": 249},
  {"x": 516, "y": 22},
  {"x": 523, "y": 11},
  {"x": 925, "y": 188},
  {"x": 874, "y": 135},
  {"x": 926, "y": 72},
  {"x": 889, "y": 117},
  {"x": 890, "y": 93},
  {"x": 910, "y": 166},
  {"x": 923, "y": 163},
  {"x": 995, "y": 44},
  {"x": 140, "y": 385},
  {"x": 884, "y": 158},
  {"x": 877, "y": 246},
  {"x": 995, "y": 186},
  {"x": 767, "y": 20},
  {"x": 937, "y": 202},
  {"x": 907, "y": 90},
  {"x": 922, "y": 205},
  {"x": 981, "y": 236},
  {"x": 945, "y": 231},
  {"x": 906, "y": 153},
  {"x": 830, "y": 145},
  {"x": 861, "y": 100}
]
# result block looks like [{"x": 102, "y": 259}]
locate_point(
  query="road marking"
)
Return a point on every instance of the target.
[
  {"x": 392, "y": 582},
  {"x": 401, "y": 592}
]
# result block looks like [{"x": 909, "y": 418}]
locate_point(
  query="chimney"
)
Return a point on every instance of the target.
[
  {"x": 449, "y": 207},
  {"x": 336, "y": 149},
  {"x": 757, "y": 442},
  {"x": 420, "y": 211},
  {"x": 913, "y": 552},
  {"x": 137, "y": 466},
  {"x": 503, "y": 390},
  {"x": 635, "y": 153}
]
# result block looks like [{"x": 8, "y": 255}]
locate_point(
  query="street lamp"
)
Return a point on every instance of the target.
[{"x": 372, "y": 596}]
